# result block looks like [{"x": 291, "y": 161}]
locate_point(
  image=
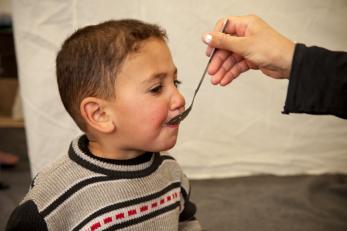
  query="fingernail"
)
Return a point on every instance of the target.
[{"x": 208, "y": 38}]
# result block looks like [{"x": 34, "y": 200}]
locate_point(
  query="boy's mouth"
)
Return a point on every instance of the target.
[{"x": 171, "y": 124}]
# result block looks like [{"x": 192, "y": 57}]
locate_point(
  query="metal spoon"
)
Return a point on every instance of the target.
[{"x": 183, "y": 115}]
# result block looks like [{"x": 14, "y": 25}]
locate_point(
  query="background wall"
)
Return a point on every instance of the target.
[
  {"x": 233, "y": 131},
  {"x": 5, "y": 6}
]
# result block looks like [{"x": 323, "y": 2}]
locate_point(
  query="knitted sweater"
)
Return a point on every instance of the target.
[{"x": 84, "y": 192}]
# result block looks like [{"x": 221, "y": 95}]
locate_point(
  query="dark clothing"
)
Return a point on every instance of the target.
[{"x": 318, "y": 82}]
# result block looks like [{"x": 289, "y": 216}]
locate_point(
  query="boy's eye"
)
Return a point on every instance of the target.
[
  {"x": 177, "y": 82},
  {"x": 156, "y": 89}
]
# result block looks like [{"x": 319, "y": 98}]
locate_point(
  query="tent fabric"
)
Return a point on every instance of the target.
[{"x": 237, "y": 130}]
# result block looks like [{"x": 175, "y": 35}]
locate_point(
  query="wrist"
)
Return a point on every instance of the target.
[{"x": 288, "y": 58}]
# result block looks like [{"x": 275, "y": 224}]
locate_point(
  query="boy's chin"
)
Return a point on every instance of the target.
[
  {"x": 171, "y": 145},
  {"x": 165, "y": 147}
]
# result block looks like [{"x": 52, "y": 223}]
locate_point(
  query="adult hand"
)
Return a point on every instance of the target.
[{"x": 248, "y": 42}]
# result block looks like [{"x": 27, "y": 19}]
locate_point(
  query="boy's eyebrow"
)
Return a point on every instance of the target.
[{"x": 160, "y": 75}]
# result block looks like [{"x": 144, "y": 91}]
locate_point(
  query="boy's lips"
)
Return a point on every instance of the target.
[{"x": 171, "y": 125}]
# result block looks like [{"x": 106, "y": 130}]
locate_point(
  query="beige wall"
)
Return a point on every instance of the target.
[
  {"x": 232, "y": 131},
  {"x": 5, "y": 6}
]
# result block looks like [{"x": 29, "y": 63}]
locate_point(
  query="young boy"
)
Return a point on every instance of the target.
[{"x": 118, "y": 82}]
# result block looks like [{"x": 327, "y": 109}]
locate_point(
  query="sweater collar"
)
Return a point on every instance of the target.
[{"x": 140, "y": 166}]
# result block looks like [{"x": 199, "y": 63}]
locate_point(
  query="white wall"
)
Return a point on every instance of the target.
[{"x": 232, "y": 131}]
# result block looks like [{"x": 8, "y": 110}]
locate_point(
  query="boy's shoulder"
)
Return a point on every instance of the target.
[
  {"x": 168, "y": 161},
  {"x": 55, "y": 179},
  {"x": 62, "y": 166}
]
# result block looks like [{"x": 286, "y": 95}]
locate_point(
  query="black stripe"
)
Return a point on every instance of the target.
[
  {"x": 166, "y": 157},
  {"x": 33, "y": 182},
  {"x": 143, "y": 218},
  {"x": 71, "y": 191},
  {"x": 113, "y": 173},
  {"x": 83, "y": 146},
  {"x": 127, "y": 204}
]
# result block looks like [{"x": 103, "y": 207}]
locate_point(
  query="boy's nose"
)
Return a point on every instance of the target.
[{"x": 177, "y": 101}]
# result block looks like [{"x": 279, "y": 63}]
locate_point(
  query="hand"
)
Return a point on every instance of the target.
[{"x": 248, "y": 43}]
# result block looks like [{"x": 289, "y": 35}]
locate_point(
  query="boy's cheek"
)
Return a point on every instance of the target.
[{"x": 159, "y": 115}]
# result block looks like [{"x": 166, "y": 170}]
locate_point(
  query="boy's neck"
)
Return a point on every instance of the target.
[{"x": 110, "y": 152}]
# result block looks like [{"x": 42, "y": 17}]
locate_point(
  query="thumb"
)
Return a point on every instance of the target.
[{"x": 226, "y": 42}]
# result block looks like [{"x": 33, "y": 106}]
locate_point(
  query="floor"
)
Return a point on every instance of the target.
[
  {"x": 17, "y": 179},
  {"x": 262, "y": 203}
]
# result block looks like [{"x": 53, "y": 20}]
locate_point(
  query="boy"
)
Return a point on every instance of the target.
[{"x": 118, "y": 82}]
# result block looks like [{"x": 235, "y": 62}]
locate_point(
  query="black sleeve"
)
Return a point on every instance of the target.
[
  {"x": 318, "y": 82},
  {"x": 189, "y": 211},
  {"x": 26, "y": 217}
]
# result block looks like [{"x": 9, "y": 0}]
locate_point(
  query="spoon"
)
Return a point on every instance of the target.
[{"x": 175, "y": 120}]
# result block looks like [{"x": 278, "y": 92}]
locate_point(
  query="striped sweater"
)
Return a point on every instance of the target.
[{"x": 84, "y": 192}]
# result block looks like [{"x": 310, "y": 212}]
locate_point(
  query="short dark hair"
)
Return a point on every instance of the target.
[{"x": 90, "y": 58}]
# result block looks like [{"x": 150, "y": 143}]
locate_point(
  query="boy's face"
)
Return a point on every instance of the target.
[{"x": 146, "y": 98}]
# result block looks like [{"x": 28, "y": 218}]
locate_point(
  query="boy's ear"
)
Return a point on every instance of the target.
[{"x": 94, "y": 113}]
